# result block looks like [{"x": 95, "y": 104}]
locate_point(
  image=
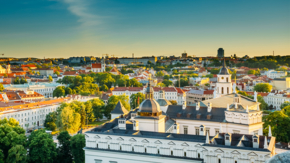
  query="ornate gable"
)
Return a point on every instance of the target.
[
  {"x": 97, "y": 137},
  {"x": 120, "y": 139},
  {"x": 252, "y": 154},
  {"x": 235, "y": 152},
  {"x": 108, "y": 138},
  {"x": 132, "y": 140},
  {"x": 184, "y": 144},
  {"x": 219, "y": 151},
  {"x": 158, "y": 142},
  {"x": 145, "y": 141},
  {"x": 171, "y": 143}
]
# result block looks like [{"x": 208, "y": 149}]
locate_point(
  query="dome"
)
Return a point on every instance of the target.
[
  {"x": 149, "y": 106},
  {"x": 163, "y": 102}
]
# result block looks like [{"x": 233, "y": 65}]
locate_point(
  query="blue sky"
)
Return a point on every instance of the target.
[{"x": 64, "y": 28}]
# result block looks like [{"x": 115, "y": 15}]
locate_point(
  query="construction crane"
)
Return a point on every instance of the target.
[{"x": 178, "y": 78}]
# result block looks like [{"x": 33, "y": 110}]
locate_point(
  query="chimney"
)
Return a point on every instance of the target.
[
  {"x": 201, "y": 130},
  {"x": 256, "y": 141},
  {"x": 209, "y": 106},
  {"x": 197, "y": 106},
  {"x": 176, "y": 128},
  {"x": 228, "y": 139},
  {"x": 122, "y": 123},
  {"x": 135, "y": 125}
]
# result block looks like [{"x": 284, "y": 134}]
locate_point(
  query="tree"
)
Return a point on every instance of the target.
[
  {"x": 41, "y": 147},
  {"x": 264, "y": 105},
  {"x": 167, "y": 82},
  {"x": 286, "y": 103},
  {"x": 68, "y": 91},
  {"x": 50, "y": 121},
  {"x": 59, "y": 92},
  {"x": 209, "y": 75},
  {"x": 98, "y": 108},
  {"x": 136, "y": 99},
  {"x": 207, "y": 84},
  {"x": 108, "y": 69},
  {"x": 161, "y": 85},
  {"x": 159, "y": 74},
  {"x": 78, "y": 142},
  {"x": 263, "y": 87},
  {"x": 104, "y": 88},
  {"x": 50, "y": 78},
  {"x": 112, "y": 102},
  {"x": 11, "y": 136},
  {"x": 252, "y": 72},
  {"x": 135, "y": 83},
  {"x": 1, "y": 87},
  {"x": 23, "y": 80},
  {"x": 17, "y": 154},
  {"x": 57, "y": 73},
  {"x": 64, "y": 149},
  {"x": 69, "y": 120},
  {"x": 17, "y": 81},
  {"x": 280, "y": 125},
  {"x": 166, "y": 77},
  {"x": 149, "y": 62},
  {"x": 5, "y": 75},
  {"x": 173, "y": 102}
]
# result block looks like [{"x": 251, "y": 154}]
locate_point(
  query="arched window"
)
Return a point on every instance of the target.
[
  {"x": 198, "y": 156},
  {"x": 97, "y": 145},
  {"x": 227, "y": 79},
  {"x": 219, "y": 160},
  {"x": 108, "y": 146},
  {"x": 236, "y": 161},
  {"x": 158, "y": 151},
  {"x": 222, "y": 90},
  {"x": 133, "y": 149},
  {"x": 120, "y": 148},
  {"x": 171, "y": 153},
  {"x": 184, "y": 154},
  {"x": 227, "y": 90},
  {"x": 145, "y": 150}
]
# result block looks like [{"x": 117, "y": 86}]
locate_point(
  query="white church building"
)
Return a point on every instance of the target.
[{"x": 226, "y": 129}]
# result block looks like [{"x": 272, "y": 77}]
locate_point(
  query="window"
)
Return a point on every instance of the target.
[
  {"x": 145, "y": 150},
  {"x": 158, "y": 151},
  {"x": 227, "y": 90},
  {"x": 171, "y": 153},
  {"x": 184, "y": 154},
  {"x": 196, "y": 131},
  {"x": 185, "y": 130},
  {"x": 217, "y": 131},
  {"x": 198, "y": 156},
  {"x": 207, "y": 131},
  {"x": 222, "y": 90},
  {"x": 98, "y": 161},
  {"x": 219, "y": 160}
]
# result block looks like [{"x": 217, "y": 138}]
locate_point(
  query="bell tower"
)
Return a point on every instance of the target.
[{"x": 224, "y": 81}]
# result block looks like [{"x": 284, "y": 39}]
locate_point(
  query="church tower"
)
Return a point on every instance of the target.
[{"x": 224, "y": 82}]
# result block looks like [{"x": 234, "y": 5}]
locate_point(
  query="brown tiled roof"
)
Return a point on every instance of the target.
[{"x": 70, "y": 73}]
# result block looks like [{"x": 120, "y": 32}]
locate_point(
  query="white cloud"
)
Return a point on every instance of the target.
[{"x": 80, "y": 8}]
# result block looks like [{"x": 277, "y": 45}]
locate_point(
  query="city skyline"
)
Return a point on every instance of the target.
[{"x": 66, "y": 28}]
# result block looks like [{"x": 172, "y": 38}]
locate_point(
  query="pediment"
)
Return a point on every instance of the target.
[
  {"x": 171, "y": 143},
  {"x": 97, "y": 137},
  {"x": 133, "y": 140},
  {"x": 252, "y": 154},
  {"x": 158, "y": 142},
  {"x": 219, "y": 151},
  {"x": 120, "y": 139},
  {"x": 184, "y": 144},
  {"x": 108, "y": 138},
  {"x": 87, "y": 136},
  {"x": 197, "y": 145},
  {"x": 145, "y": 141},
  {"x": 235, "y": 152}
]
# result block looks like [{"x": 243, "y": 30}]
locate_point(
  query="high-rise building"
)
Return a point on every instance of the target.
[
  {"x": 184, "y": 55},
  {"x": 221, "y": 53}
]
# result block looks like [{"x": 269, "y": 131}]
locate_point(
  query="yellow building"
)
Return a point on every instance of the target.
[{"x": 281, "y": 83}]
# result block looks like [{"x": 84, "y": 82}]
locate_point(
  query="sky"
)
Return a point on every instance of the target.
[{"x": 67, "y": 28}]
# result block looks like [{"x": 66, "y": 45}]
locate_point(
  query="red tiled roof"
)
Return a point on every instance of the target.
[
  {"x": 263, "y": 94},
  {"x": 96, "y": 65},
  {"x": 208, "y": 92},
  {"x": 70, "y": 73}
]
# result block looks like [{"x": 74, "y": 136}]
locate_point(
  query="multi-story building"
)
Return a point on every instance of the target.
[
  {"x": 194, "y": 96},
  {"x": 199, "y": 80},
  {"x": 30, "y": 115},
  {"x": 46, "y": 89},
  {"x": 276, "y": 98},
  {"x": 171, "y": 93},
  {"x": 5, "y": 70},
  {"x": 97, "y": 67},
  {"x": 275, "y": 74},
  {"x": 219, "y": 132},
  {"x": 220, "y": 53},
  {"x": 281, "y": 83}
]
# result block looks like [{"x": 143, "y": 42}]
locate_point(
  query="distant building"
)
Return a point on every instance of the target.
[
  {"x": 143, "y": 60},
  {"x": 194, "y": 96},
  {"x": 184, "y": 55},
  {"x": 221, "y": 53},
  {"x": 275, "y": 74},
  {"x": 281, "y": 83}
]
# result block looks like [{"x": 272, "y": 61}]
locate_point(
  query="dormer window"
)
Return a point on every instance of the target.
[{"x": 227, "y": 138}]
